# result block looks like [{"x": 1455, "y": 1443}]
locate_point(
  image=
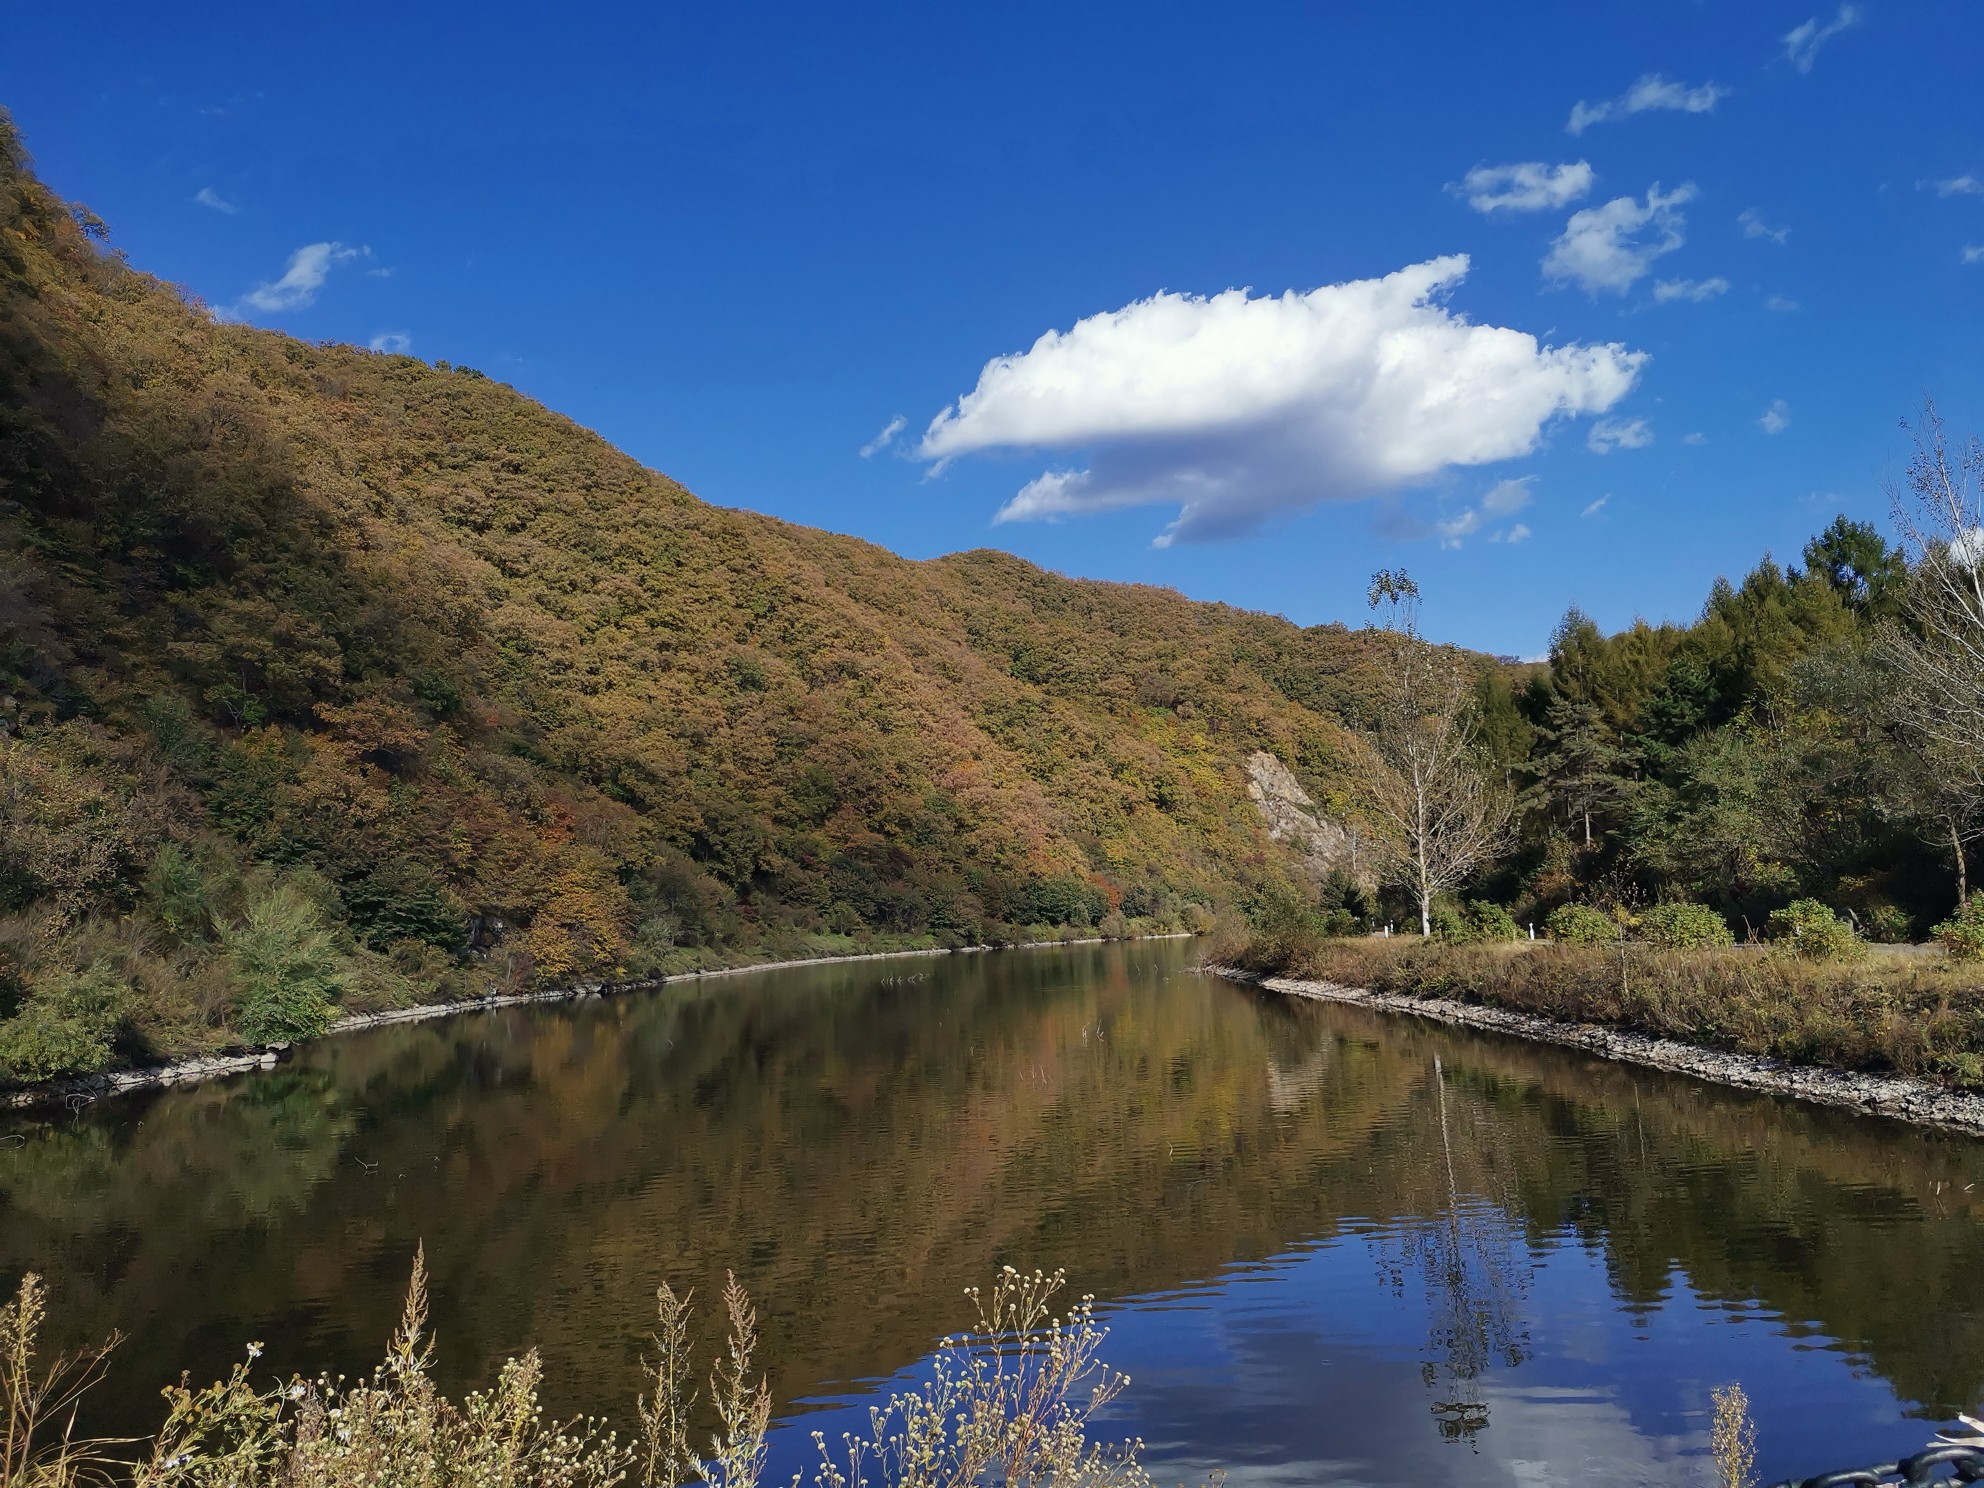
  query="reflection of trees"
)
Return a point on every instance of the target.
[
  {"x": 1465, "y": 1252},
  {"x": 861, "y": 1151}
]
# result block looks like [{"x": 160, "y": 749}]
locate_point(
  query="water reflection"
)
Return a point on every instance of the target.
[{"x": 1332, "y": 1245}]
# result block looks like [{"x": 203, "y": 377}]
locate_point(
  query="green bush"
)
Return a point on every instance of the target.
[
  {"x": 1580, "y": 924},
  {"x": 287, "y": 970},
  {"x": 1684, "y": 927},
  {"x": 1888, "y": 923},
  {"x": 1962, "y": 934},
  {"x": 1807, "y": 928},
  {"x": 1491, "y": 922},
  {"x": 1477, "y": 920},
  {"x": 64, "y": 1027},
  {"x": 1113, "y": 926}
]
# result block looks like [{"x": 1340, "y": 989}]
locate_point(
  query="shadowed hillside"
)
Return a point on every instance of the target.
[{"x": 333, "y": 678}]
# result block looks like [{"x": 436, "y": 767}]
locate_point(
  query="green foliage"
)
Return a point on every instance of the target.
[
  {"x": 1580, "y": 924},
  {"x": 1286, "y": 925},
  {"x": 1490, "y": 921},
  {"x": 177, "y": 893},
  {"x": 287, "y": 971},
  {"x": 1810, "y": 929},
  {"x": 1861, "y": 566},
  {"x": 1962, "y": 934},
  {"x": 1683, "y": 927},
  {"x": 1062, "y": 901},
  {"x": 1477, "y": 920},
  {"x": 64, "y": 1026}
]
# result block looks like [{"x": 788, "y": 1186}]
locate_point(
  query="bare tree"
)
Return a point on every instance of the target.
[
  {"x": 1438, "y": 818},
  {"x": 1939, "y": 653}
]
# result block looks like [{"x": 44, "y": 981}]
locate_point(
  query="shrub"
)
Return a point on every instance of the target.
[
  {"x": 1449, "y": 924},
  {"x": 1476, "y": 920},
  {"x": 287, "y": 971},
  {"x": 1113, "y": 926},
  {"x": 1807, "y": 928},
  {"x": 1684, "y": 927},
  {"x": 1580, "y": 924},
  {"x": 64, "y": 1027},
  {"x": 1962, "y": 934},
  {"x": 1888, "y": 923},
  {"x": 1490, "y": 921}
]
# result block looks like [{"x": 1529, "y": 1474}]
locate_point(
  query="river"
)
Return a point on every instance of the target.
[{"x": 1330, "y": 1245}]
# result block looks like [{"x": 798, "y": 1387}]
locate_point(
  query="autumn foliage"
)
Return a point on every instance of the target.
[{"x": 387, "y": 653}]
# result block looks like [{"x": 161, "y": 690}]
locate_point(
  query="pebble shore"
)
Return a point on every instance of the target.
[{"x": 1903, "y": 1099}]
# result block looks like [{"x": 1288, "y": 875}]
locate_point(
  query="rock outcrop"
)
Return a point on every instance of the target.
[{"x": 1291, "y": 817}]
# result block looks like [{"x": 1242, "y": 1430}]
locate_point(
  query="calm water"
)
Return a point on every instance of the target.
[{"x": 1330, "y": 1246}]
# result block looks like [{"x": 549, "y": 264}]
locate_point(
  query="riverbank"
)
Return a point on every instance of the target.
[
  {"x": 76, "y": 1091},
  {"x": 1896, "y": 1096}
]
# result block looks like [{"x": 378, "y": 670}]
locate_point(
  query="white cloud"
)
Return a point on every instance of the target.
[
  {"x": 1505, "y": 498},
  {"x": 206, "y": 196},
  {"x": 1610, "y": 434},
  {"x": 1956, "y": 186},
  {"x": 1611, "y": 246},
  {"x": 309, "y": 267},
  {"x": 399, "y": 343},
  {"x": 1694, "y": 291},
  {"x": 1802, "y": 43},
  {"x": 1516, "y": 534},
  {"x": 1967, "y": 551},
  {"x": 1755, "y": 226},
  {"x": 1236, "y": 408},
  {"x": 1973, "y": 253},
  {"x": 1651, "y": 92},
  {"x": 1694, "y": 438},
  {"x": 1456, "y": 530},
  {"x": 1597, "y": 506},
  {"x": 1776, "y": 419},
  {"x": 1781, "y": 304},
  {"x": 1530, "y": 186},
  {"x": 884, "y": 439}
]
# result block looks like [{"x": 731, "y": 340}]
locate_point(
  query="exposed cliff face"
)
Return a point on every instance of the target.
[{"x": 1292, "y": 818}]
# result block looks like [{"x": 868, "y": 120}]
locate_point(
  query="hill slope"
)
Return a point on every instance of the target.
[{"x": 330, "y": 675}]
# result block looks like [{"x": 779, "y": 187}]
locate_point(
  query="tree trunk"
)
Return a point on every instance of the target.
[
  {"x": 1962, "y": 867},
  {"x": 1425, "y": 914}
]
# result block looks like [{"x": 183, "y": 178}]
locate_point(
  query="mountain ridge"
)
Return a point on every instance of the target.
[{"x": 306, "y": 645}]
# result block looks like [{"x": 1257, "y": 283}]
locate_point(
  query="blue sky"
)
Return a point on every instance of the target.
[{"x": 741, "y": 241}]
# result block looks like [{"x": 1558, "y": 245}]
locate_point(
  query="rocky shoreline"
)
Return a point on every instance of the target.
[
  {"x": 1894, "y": 1096},
  {"x": 78, "y": 1091}
]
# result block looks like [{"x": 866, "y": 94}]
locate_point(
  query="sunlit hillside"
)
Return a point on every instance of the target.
[{"x": 329, "y": 677}]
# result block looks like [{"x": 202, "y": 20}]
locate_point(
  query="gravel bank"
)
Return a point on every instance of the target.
[{"x": 1880, "y": 1095}]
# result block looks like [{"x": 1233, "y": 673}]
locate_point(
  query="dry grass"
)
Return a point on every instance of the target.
[
  {"x": 1009, "y": 1402},
  {"x": 1909, "y": 1013},
  {"x": 1732, "y": 1439}
]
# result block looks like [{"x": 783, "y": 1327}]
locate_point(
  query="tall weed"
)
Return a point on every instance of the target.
[{"x": 1009, "y": 1402}]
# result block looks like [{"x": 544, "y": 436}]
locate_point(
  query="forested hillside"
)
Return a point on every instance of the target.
[
  {"x": 329, "y": 678},
  {"x": 1763, "y": 754}
]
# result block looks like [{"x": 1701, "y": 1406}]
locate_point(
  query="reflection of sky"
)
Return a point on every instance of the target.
[{"x": 1310, "y": 1368}]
